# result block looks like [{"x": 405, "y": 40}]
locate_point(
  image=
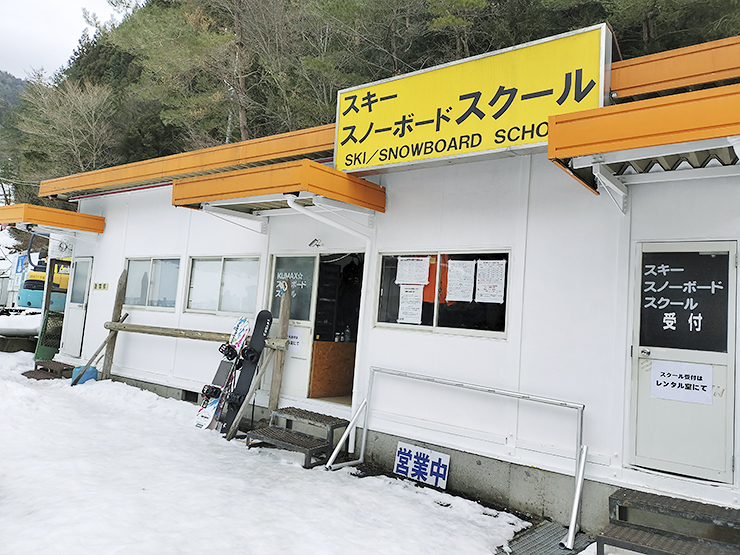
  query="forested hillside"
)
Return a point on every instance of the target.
[{"x": 184, "y": 74}]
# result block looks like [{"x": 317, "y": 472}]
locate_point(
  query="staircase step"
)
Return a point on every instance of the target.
[
  {"x": 678, "y": 517},
  {"x": 309, "y": 417},
  {"x": 653, "y": 543},
  {"x": 311, "y": 446},
  {"x": 59, "y": 369}
]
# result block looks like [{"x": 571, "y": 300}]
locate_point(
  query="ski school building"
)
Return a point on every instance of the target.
[{"x": 515, "y": 254}]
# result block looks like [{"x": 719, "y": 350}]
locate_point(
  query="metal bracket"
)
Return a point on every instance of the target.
[
  {"x": 253, "y": 223},
  {"x": 735, "y": 144},
  {"x": 616, "y": 190},
  {"x": 336, "y": 206}
]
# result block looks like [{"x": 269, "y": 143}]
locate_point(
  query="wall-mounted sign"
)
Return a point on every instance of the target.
[
  {"x": 684, "y": 300},
  {"x": 480, "y": 104},
  {"x": 422, "y": 464}
]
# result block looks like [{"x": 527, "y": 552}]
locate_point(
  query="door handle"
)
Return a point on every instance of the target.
[{"x": 644, "y": 352}]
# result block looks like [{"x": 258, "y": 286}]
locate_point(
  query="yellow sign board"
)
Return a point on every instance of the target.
[{"x": 481, "y": 104}]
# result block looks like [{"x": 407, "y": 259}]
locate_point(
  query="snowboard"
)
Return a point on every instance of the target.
[
  {"x": 213, "y": 393},
  {"x": 249, "y": 356}
]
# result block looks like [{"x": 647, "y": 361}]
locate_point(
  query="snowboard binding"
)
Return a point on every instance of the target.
[
  {"x": 250, "y": 354},
  {"x": 211, "y": 391},
  {"x": 235, "y": 399},
  {"x": 228, "y": 350}
]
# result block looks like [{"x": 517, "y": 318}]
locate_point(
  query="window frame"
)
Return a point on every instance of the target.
[
  {"x": 146, "y": 305},
  {"x": 435, "y": 328},
  {"x": 223, "y": 258}
]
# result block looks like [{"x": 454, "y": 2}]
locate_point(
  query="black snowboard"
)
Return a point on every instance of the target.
[{"x": 249, "y": 357}]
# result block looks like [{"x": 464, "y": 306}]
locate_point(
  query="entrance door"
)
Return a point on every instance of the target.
[
  {"x": 324, "y": 318},
  {"x": 74, "y": 315},
  {"x": 683, "y": 359},
  {"x": 335, "y": 332}
]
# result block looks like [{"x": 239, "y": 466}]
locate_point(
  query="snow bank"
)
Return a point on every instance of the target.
[{"x": 104, "y": 468}]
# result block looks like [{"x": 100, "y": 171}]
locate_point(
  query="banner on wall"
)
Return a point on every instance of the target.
[{"x": 486, "y": 103}]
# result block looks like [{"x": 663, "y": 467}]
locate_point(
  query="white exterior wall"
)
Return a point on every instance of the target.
[
  {"x": 143, "y": 224},
  {"x": 565, "y": 326},
  {"x": 569, "y": 322}
]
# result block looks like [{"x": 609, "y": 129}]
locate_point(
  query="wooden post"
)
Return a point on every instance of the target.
[
  {"x": 92, "y": 358},
  {"x": 282, "y": 333},
  {"x": 116, "y": 317}
]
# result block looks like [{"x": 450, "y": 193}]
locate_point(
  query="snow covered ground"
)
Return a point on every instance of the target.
[{"x": 104, "y": 468}]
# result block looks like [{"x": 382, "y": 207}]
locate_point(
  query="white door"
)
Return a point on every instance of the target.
[
  {"x": 683, "y": 359},
  {"x": 76, "y": 310},
  {"x": 302, "y": 271}
]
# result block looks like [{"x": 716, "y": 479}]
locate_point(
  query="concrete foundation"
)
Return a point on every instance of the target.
[{"x": 522, "y": 489}]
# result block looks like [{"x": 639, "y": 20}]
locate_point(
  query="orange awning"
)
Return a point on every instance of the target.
[
  {"x": 288, "y": 177},
  {"x": 51, "y": 217}
]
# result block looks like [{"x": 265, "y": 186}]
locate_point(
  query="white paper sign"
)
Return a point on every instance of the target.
[
  {"x": 412, "y": 270},
  {"x": 409, "y": 304},
  {"x": 681, "y": 381},
  {"x": 422, "y": 465},
  {"x": 295, "y": 338},
  {"x": 490, "y": 281},
  {"x": 460, "y": 280}
]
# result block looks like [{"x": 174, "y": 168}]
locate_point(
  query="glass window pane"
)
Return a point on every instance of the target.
[
  {"x": 137, "y": 282},
  {"x": 205, "y": 280},
  {"x": 239, "y": 285},
  {"x": 300, "y": 271},
  {"x": 79, "y": 283},
  {"x": 164, "y": 282},
  {"x": 418, "y": 306},
  {"x": 486, "y": 307}
]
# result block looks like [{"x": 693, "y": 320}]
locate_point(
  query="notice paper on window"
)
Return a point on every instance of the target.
[
  {"x": 490, "y": 281},
  {"x": 409, "y": 304},
  {"x": 460, "y": 280},
  {"x": 412, "y": 270}
]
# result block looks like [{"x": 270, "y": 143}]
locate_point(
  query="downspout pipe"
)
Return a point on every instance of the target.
[{"x": 291, "y": 200}]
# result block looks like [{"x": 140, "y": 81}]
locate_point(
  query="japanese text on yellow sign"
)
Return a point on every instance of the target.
[{"x": 487, "y": 103}]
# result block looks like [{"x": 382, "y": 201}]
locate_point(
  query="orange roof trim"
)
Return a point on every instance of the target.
[
  {"x": 709, "y": 62},
  {"x": 51, "y": 217},
  {"x": 205, "y": 161},
  {"x": 693, "y": 116},
  {"x": 288, "y": 177}
]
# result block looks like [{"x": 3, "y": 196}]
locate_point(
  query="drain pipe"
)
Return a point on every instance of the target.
[{"x": 291, "y": 199}]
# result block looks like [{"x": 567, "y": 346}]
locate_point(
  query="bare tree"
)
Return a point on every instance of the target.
[{"x": 72, "y": 124}]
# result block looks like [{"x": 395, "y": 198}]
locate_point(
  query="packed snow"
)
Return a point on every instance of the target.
[{"x": 105, "y": 468}]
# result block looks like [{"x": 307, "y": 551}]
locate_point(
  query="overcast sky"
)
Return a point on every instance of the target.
[{"x": 36, "y": 34}]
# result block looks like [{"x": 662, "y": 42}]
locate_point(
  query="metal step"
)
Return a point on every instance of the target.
[
  {"x": 309, "y": 417},
  {"x": 544, "y": 539},
  {"x": 679, "y": 518},
  {"x": 59, "y": 369},
  {"x": 280, "y": 433},
  {"x": 312, "y": 447},
  {"x": 654, "y": 543}
]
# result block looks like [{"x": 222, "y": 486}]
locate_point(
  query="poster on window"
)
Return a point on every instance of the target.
[
  {"x": 490, "y": 279},
  {"x": 409, "y": 304},
  {"x": 460, "y": 280},
  {"x": 412, "y": 270},
  {"x": 681, "y": 381}
]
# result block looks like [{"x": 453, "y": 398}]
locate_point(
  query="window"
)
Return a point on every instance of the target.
[
  {"x": 454, "y": 291},
  {"x": 224, "y": 284},
  {"x": 152, "y": 282}
]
